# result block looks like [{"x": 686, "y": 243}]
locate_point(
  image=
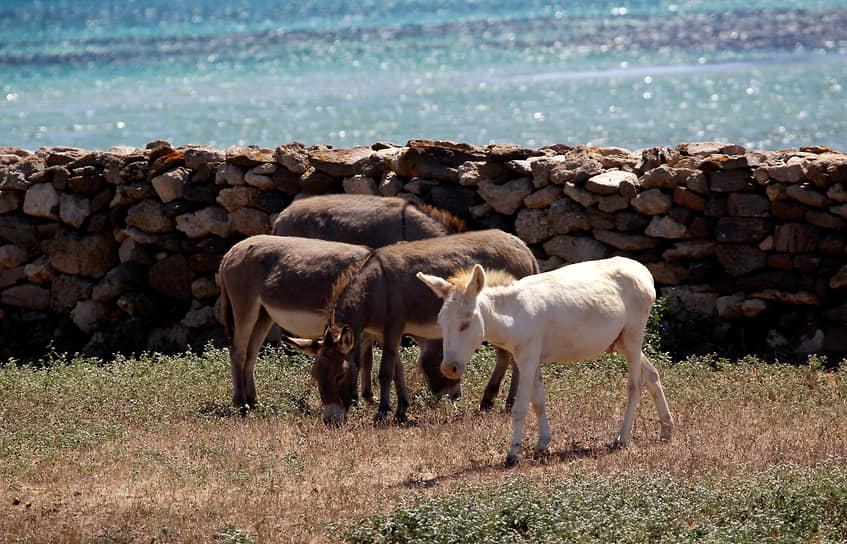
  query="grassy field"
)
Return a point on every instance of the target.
[{"x": 148, "y": 449}]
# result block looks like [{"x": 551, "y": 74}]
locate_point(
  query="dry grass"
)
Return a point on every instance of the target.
[{"x": 148, "y": 450}]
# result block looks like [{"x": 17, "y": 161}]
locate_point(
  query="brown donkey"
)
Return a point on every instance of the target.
[
  {"x": 283, "y": 279},
  {"x": 381, "y": 296}
]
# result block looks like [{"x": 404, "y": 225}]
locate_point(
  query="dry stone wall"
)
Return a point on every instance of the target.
[{"x": 117, "y": 250}]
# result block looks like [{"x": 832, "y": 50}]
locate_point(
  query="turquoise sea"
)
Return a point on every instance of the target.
[{"x": 767, "y": 74}]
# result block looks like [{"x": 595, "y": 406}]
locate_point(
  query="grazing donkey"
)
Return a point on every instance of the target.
[
  {"x": 575, "y": 312},
  {"x": 377, "y": 221},
  {"x": 380, "y": 296},
  {"x": 283, "y": 279}
]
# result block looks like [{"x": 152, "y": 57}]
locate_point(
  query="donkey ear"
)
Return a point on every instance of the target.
[
  {"x": 439, "y": 285},
  {"x": 477, "y": 282},
  {"x": 306, "y": 345},
  {"x": 346, "y": 340}
]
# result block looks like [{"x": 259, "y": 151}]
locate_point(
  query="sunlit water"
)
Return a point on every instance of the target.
[{"x": 764, "y": 74}]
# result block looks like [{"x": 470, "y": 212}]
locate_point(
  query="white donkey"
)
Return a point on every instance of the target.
[{"x": 573, "y": 313}]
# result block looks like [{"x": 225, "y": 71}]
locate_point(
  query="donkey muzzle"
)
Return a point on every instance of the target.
[
  {"x": 334, "y": 414},
  {"x": 452, "y": 370}
]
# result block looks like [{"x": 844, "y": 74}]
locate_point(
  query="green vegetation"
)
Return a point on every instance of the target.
[{"x": 784, "y": 504}]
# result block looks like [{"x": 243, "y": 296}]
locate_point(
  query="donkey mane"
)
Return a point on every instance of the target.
[
  {"x": 341, "y": 283},
  {"x": 493, "y": 278},
  {"x": 442, "y": 216}
]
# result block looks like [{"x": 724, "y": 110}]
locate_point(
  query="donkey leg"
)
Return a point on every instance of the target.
[
  {"x": 366, "y": 363},
  {"x": 492, "y": 389},
  {"x": 257, "y": 338},
  {"x": 519, "y": 410},
  {"x": 387, "y": 370},
  {"x": 244, "y": 320},
  {"x": 654, "y": 386},
  {"x": 631, "y": 350},
  {"x": 539, "y": 405}
]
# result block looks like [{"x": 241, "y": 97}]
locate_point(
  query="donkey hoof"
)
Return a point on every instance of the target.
[
  {"x": 667, "y": 431},
  {"x": 512, "y": 460},
  {"x": 486, "y": 405}
]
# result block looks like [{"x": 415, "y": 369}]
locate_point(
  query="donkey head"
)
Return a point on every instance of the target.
[
  {"x": 334, "y": 368},
  {"x": 460, "y": 319}
]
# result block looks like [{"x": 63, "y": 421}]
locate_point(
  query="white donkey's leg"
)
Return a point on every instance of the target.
[
  {"x": 630, "y": 348},
  {"x": 654, "y": 386},
  {"x": 528, "y": 365},
  {"x": 539, "y": 404}
]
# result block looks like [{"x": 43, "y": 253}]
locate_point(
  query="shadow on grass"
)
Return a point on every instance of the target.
[{"x": 576, "y": 452}]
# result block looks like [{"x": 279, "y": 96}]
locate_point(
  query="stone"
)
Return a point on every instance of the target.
[
  {"x": 608, "y": 183},
  {"x": 825, "y": 220},
  {"x": 420, "y": 186},
  {"x": 625, "y": 241},
  {"x": 533, "y": 225},
  {"x": 576, "y": 248},
  {"x": 577, "y": 170},
  {"x": 784, "y": 173},
  {"x": 578, "y": 194},
  {"x": 118, "y": 280},
  {"x": 360, "y": 185},
  {"x": 651, "y": 202},
  {"x": 315, "y": 182},
  {"x": 668, "y": 273},
  {"x": 730, "y": 181},
  {"x": 697, "y": 302},
  {"x": 626, "y": 221},
  {"x": 661, "y": 177},
  {"x": 151, "y": 216},
  {"x": 260, "y": 181},
  {"x": 293, "y": 157},
  {"x": 209, "y": 220},
  {"x": 342, "y": 162},
  {"x": 748, "y": 205},
  {"x": 10, "y": 201},
  {"x": 199, "y": 317},
  {"x": 796, "y": 238},
  {"x": 131, "y": 193},
  {"x": 729, "y": 307},
  {"x": 742, "y": 229},
  {"x": 31, "y": 297},
  {"x": 666, "y": 227},
  {"x": 391, "y": 184},
  {"x": 839, "y": 210},
  {"x": 87, "y": 314},
  {"x": 740, "y": 259},
  {"x": 809, "y": 344},
  {"x": 229, "y": 174},
  {"x": 508, "y": 197},
  {"x": 74, "y": 209},
  {"x": 612, "y": 203},
  {"x": 12, "y": 256},
  {"x": 11, "y": 276},
  {"x": 839, "y": 280},
  {"x": 801, "y": 298},
  {"x": 42, "y": 200},
  {"x": 171, "y": 185},
  {"x": 543, "y": 198},
  {"x": 197, "y": 157},
  {"x": 599, "y": 220},
  {"x": 753, "y": 307},
  {"x": 204, "y": 287},
  {"x": 687, "y": 198},
  {"x": 837, "y": 193},
  {"x": 704, "y": 149},
  {"x": 481, "y": 211},
  {"x": 694, "y": 249},
  {"x": 788, "y": 210},
  {"x": 248, "y": 156},
  {"x": 807, "y": 194},
  {"x": 171, "y": 276},
  {"x": 233, "y": 198},
  {"x": 89, "y": 255},
  {"x": 249, "y": 221},
  {"x": 39, "y": 270}
]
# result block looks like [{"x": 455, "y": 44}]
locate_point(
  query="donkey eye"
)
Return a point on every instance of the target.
[{"x": 464, "y": 326}]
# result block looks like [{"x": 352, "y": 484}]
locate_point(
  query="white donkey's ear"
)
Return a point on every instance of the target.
[
  {"x": 477, "y": 282},
  {"x": 441, "y": 286}
]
